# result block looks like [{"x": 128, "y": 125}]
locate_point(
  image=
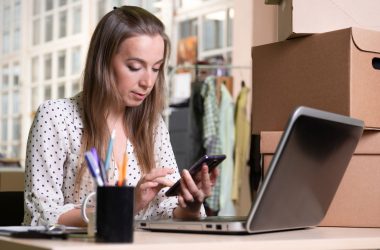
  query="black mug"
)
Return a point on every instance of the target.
[{"x": 114, "y": 214}]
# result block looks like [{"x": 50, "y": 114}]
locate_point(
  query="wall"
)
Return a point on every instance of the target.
[{"x": 255, "y": 25}]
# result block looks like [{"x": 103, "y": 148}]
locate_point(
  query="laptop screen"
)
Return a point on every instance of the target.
[{"x": 306, "y": 170}]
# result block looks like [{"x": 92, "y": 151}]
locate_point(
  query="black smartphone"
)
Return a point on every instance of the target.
[{"x": 211, "y": 160}]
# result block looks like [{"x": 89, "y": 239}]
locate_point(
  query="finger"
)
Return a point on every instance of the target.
[
  {"x": 198, "y": 177},
  {"x": 188, "y": 180},
  {"x": 181, "y": 202},
  {"x": 190, "y": 185},
  {"x": 187, "y": 196},
  {"x": 158, "y": 172},
  {"x": 214, "y": 175},
  {"x": 164, "y": 181},
  {"x": 206, "y": 183},
  {"x": 154, "y": 173},
  {"x": 148, "y": 184}
]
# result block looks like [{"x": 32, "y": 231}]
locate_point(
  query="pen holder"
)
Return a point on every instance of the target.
[{"x": 114, "y": 214}]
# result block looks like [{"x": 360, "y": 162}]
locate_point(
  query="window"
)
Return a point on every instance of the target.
[
  {"x": 230, "y": 25},
  {"x": 16, "y": 75},
  {"x": 6, "y": 41},
  {"x": 16, "y": 102},
  {"x": 76, "y": 60},
  {"x": 36, "y": 31},
  {"x": 48, "y": 28},
  {"x": 151, "y": 6},
  {"x": 62, "y": 2},
  {"x": 35, "y": 98},
  {"x": 47, "y": 92},
  {"x": 16, "y": 25},
  {"x": 10, "y": 113},
  {"x": 62, "y": 24},
  {"x": 101, "y": 9},
  {"x": 213, "y": 30},
  {"x": 35, "y": 69},
  {"x": 6, "y": 16},
  {"x": 4, "y": 103},
  {"x": 207, "y": 35},
  {"x": 61, "y": 90},
  {"x": 4, "y": 130},
  {"x": 77, "y": 19},
  {"x": 47, "y": 68},
  {"x": 75, "y": 88},
  {"x": 5, "y": 77},
  {"x": 15, "y": 151},
  {"x": 17, "y": 13},
  {"x": 16, "y": 133},
  {"x": 61, "y": 63},
  {"x": 16, "y": 39},
  {"x": 36, "y": 7},
  {"x": 49, "y": 5},
  {"x": 188, "y": 28}
]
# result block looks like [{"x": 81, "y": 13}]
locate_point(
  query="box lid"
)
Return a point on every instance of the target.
[
  {"x": 369, "y": 142},
  {"x": 366, "y": 40},
  {"x": 300, "y": 17}
]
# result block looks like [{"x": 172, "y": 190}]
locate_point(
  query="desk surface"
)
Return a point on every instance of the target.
[{"x": 315, "y": 238}]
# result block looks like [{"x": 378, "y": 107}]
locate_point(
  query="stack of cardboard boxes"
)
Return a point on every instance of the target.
[{"x": 332, "y": 70}]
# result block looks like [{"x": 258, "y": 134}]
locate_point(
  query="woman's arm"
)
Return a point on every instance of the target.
[
  {"x": 44, "y": 166},
  {"x": 72, "y": 218}
]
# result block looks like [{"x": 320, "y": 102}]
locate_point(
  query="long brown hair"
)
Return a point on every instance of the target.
[{"x": 100, "y": 89}]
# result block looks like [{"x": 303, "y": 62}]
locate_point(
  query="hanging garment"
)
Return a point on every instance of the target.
[
  {"x": 242, "y": 137},
  {"x": 196, "y": 123},
  {"x": 211, "y": 139},
  {"x": 227, "y": 139}
]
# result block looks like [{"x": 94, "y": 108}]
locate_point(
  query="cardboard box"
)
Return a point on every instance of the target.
[
  {"x": 300, "y": 17},
  {"x": 12, "y": 180},
  {"x": 336, "y": 71},
  {"x": 357, "y": 201}
]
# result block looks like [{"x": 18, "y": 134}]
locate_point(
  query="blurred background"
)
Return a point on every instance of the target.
[{"x": 43, "y": 46}]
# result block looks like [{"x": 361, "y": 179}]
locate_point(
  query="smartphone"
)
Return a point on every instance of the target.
[{"x": 211, "y": 160}]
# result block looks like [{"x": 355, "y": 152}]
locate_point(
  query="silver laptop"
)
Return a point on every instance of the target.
[{"x": 303, "y": 177}]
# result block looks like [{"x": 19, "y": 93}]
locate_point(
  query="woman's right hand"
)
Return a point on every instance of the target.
[{"x": 149, "y": 185}]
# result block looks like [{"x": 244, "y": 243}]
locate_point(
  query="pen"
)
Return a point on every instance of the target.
[
  {"x": 123, "y": 170},
  {"x": 109, "y": 151},
  {"x": 120, "y": 180},
  {"x": 103, "y": 172},
  {"x": 94, "y": 168},
  {"x": 100, "y": 165},
  {"x": 125, "y": 166}
]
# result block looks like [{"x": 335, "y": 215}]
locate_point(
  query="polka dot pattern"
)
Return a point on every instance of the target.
[{"x": 52, "y": 159}]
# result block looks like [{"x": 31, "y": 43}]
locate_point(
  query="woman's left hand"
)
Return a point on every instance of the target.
[{"x": 195, "y": 191}]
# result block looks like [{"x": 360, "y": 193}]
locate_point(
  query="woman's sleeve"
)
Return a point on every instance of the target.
[
  {"x": 162, "y": 207},
  {"x": 44, "y": 167}
]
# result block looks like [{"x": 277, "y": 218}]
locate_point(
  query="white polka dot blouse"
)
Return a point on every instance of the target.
[{"x": 52, "y": 159}]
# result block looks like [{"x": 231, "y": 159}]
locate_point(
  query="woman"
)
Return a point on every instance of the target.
[{"x": 123, "y": 90}]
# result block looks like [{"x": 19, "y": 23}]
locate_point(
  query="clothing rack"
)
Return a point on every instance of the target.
[{"x": 173, "y": 70}]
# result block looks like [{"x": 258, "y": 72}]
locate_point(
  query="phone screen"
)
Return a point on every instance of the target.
[{"x": 211, "y": 160}]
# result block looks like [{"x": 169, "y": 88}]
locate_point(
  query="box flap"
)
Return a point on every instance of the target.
[
  {"x": 369, "y": 143},
  {"x": 366, "y": 40},
  {"x": 299, "y": 17}
]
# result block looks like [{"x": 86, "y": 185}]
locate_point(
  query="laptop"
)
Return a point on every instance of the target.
[{"x": 303, "y": 177}]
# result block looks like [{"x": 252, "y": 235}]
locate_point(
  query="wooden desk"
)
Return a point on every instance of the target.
[{"x": 316, "y": 238}]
